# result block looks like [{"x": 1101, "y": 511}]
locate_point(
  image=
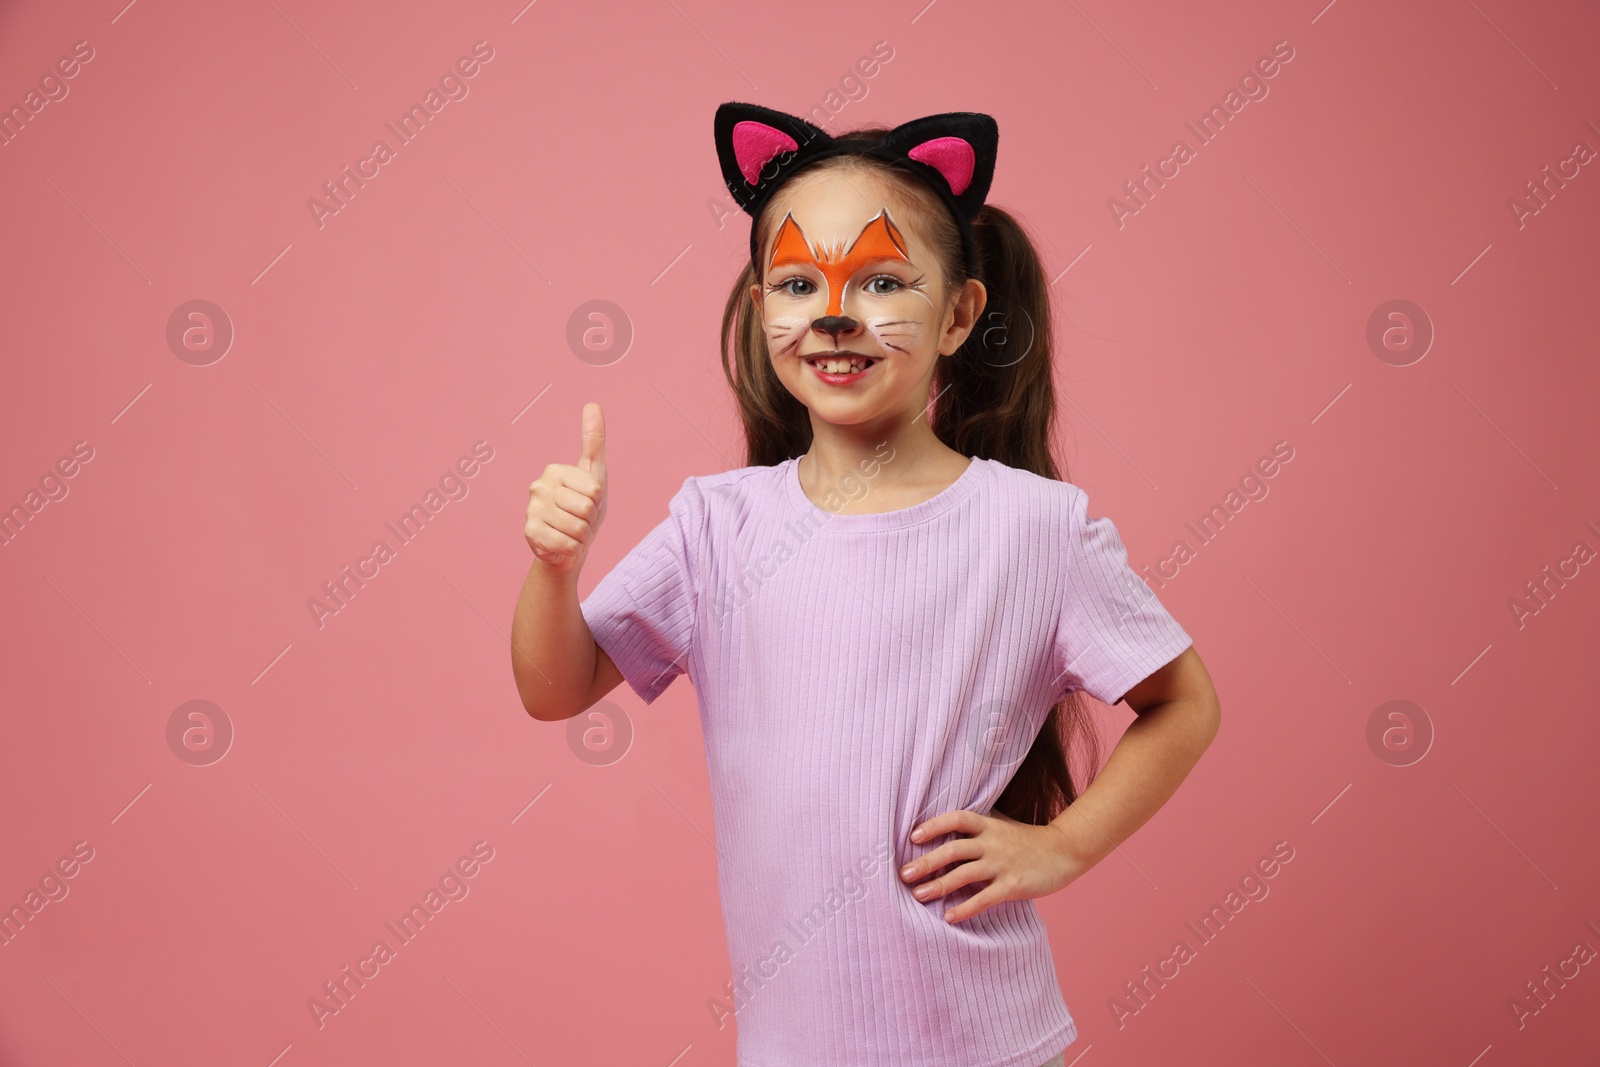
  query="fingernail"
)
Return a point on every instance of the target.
[
  {"x": 908, "y": 870},
  {"x": 922, "y": 891}
]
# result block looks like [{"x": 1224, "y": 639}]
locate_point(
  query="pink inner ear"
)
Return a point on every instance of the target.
[
  {"x": 950, "y": 156},
  {"x": 755, "y": 143}
]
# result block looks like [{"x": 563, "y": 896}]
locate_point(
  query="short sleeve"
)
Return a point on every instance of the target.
[
  {"x": 642, "y": 611},
  {"x": 1113, "y": 631}
]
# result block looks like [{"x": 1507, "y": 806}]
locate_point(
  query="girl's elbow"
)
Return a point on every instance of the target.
[
  {"x": 1206, "y": 712},
  {"x": 1212, "y": 721},
  {"x": 544, "y": 711}
]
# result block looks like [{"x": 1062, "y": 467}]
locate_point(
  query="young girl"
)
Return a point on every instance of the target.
[{"x": 887, "y": 615}]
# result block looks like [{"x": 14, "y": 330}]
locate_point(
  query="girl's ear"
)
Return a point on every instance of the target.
[{"x": 966, "y": 312}]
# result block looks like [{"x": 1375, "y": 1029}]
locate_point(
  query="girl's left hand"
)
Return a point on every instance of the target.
[{"x": 1020, "y": 861}]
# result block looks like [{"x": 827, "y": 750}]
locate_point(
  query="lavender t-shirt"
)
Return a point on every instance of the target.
[{"x": 858, "y": 674}]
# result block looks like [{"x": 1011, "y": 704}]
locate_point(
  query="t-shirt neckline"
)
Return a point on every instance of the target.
[{"x": 940, "y": 502}]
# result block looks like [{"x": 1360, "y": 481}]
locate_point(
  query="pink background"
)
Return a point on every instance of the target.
[{"x": 431, "y": 312}]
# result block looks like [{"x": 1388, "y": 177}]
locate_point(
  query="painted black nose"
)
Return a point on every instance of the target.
[{"x": 835, "y": 324}]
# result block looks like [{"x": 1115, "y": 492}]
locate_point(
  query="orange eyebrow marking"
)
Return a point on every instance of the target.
[{"x": 878, "y": 239}]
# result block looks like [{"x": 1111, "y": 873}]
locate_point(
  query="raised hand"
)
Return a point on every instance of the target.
[{"x": 567, "y": 503}]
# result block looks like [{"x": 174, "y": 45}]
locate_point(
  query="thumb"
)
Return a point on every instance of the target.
[{"x": 593, "y": 458}]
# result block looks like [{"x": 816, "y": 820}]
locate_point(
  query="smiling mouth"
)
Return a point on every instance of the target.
[{"x": 840, "y": 362}]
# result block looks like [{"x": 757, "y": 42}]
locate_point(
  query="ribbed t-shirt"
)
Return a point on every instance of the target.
[{"x": 858, "y": 674}]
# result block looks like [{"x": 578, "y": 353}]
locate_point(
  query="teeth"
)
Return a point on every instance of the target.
[{"x": 841, "y": 365}]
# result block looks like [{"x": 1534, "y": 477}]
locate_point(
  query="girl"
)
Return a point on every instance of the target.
[{"x": 887, "y": 615}]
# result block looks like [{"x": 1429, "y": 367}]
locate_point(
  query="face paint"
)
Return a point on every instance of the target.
[
  {"x": 892, "y": 318},
  {"x": 878, "y": 240}
]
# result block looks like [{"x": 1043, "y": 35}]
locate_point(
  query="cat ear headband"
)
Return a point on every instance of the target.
[{"x": 953, "y": 153}]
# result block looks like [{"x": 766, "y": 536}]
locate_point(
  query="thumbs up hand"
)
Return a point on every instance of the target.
[{"x": 567, "y": 503}]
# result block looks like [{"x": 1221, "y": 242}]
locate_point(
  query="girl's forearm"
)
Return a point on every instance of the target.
[
  {"x": 1155, "y": 754},
  {"x": 552, "y": 649}
]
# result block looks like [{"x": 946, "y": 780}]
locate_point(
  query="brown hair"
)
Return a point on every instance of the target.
[{"x": 993, "y": 398}]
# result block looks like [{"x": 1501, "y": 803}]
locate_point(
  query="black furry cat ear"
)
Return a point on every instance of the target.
[
  {"x": 758, "y": 147},
  {"x": 957, "y": 146}
]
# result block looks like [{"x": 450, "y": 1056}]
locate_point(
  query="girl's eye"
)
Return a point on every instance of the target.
[
  {"x": 891, "y": 279},
  {"x": 787, "y": 285}
]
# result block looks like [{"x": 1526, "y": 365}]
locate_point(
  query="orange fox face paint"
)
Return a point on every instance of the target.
[
  {"x": 871, "y": 289},
  {"x": 879, "y": 240}
]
